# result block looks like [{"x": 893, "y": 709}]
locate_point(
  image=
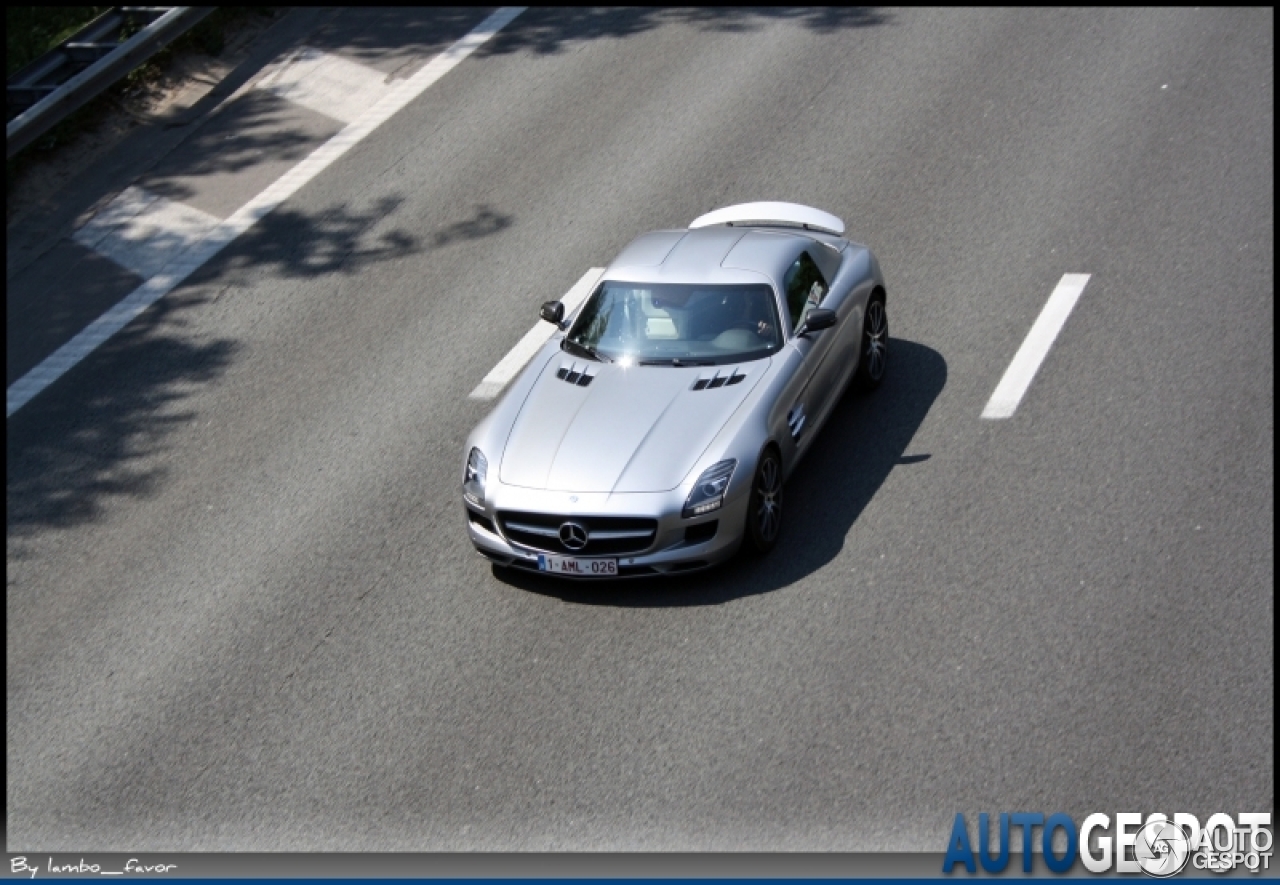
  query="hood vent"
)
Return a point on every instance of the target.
[
  {"x": 711, "y": 382},
  {"x": 579, "y": 375}
]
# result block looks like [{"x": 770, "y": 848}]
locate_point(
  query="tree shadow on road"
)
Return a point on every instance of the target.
[
  {"x": 94, "y": 434},
  {"x": 254, "y": 129},
  {"x": 288, "y": 243},
  {"x": 68, "y": 454},
  {"x": 550, "y": 31},
  {"x": 864, "y": 440}
]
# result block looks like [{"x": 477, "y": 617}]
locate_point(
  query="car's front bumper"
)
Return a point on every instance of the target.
[{"x": 670, "y": 552}]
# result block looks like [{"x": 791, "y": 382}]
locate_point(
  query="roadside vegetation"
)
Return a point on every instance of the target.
[{"x": 31, "y": 31}]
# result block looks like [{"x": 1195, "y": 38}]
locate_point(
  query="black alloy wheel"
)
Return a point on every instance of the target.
[
  {"x": 764, "y": 513},
  {"x": 875, "y": 344}
]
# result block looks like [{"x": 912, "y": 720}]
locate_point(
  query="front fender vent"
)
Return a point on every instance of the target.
[
  {"x": 795, "y": 420},
  {"x": 719, "y": 379},
  {"x": 577, "y": 374}
]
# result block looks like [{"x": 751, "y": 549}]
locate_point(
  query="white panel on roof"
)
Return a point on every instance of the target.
[{"x": 786, "y": 213}]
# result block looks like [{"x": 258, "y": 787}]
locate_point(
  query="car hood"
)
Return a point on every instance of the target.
[{"x": 634, "y": 429}]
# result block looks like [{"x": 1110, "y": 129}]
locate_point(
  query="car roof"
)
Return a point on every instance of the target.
[{"x": 719, "y": 254}]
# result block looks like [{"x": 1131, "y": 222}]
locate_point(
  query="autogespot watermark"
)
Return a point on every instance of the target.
[{"x": 1157, "y": 846}]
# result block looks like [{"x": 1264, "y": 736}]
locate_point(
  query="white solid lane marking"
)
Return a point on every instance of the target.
[
  {"x": 327, "y": 84},
  {"x": 1026, "y": 362},
  {"x": 142, "y": 231},
  {"x": 197, "y": 253},
  {"x": 527, "y": 346}
]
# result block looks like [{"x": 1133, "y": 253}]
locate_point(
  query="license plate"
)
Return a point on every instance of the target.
[{"x": 569, "y": 565}]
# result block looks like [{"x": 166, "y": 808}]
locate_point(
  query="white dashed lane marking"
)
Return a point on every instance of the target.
[
  {"x": 501, "y": 374},
  {"x": 189, "y": 249},
  {"x": 1026, "y": 362}
]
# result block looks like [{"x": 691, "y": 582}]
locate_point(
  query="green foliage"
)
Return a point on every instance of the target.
[
  {"x": 31, "y": 31},
  {"x": 208, "y": 37},
  {"x": 34, "y": 30}
]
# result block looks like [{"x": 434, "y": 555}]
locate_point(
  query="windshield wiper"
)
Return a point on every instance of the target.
[
  {"x": 583, "y": 350},
  {"x": 677, "y": 362}
]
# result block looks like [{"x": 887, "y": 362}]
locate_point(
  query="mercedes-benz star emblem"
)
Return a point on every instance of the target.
[{"x": 573, "y": 536}]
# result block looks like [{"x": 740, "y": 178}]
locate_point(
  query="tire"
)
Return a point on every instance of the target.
[
  {"x": 873, "y": 357},
  {"x": 764, "y": 509}
]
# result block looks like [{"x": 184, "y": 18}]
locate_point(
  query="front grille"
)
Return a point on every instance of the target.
[{"x": 606, "y": 535}]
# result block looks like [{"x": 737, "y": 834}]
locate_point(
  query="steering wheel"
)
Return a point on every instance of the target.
[{"x": 752, "y": 326}]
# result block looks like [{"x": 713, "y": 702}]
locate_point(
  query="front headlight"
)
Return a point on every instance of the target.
[
  {"x": 473, "y": 478},
  {"x": 708, "y": 491}
]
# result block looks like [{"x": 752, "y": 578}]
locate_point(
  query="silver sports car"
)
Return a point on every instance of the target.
[{"x": 653, "y": 433}]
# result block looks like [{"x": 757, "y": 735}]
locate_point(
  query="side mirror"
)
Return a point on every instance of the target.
[
  {"x": 816, "y": 320},
  {"x": 553, "y": 312}
]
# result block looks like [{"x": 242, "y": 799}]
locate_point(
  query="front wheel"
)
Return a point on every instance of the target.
[
  {"x": 875, "y": 345},
  {"x": 764, "y": 513}
]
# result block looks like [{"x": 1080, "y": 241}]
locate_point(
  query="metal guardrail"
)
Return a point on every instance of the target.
[{"x": 44, "y": 92}]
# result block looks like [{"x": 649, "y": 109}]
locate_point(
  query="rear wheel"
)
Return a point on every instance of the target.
[
  {"x": 764, "y": 512},
  {"x": 875, "y": 344}
]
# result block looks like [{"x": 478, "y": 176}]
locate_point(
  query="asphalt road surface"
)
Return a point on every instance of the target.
[{"x": 243, "y": 612}]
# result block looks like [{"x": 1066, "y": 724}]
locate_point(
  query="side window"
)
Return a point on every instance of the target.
[{"x": 805, "y": 288}]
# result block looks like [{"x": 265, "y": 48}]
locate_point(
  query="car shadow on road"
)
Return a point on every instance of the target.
[{"x": 865, "y": 439}]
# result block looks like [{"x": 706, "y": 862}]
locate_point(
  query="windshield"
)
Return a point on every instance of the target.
[{"x": 670, "y": 324}]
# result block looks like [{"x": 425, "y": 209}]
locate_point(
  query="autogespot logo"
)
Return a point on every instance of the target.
[
  {"x": 1158, "y": 846},
  {"x": 1161, "y": 848}
]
